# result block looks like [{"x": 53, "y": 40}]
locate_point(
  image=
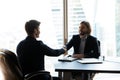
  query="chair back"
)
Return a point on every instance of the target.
[
  {"x": 9, "y": 65},
  {"x": 11, "y": 68},
  {"x": 99, "y": 47},
  {"x": 39, "y": 75}
]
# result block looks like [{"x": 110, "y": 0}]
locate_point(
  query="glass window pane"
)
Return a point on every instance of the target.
[
  {"x": 117, "y": 24},
  {"x": 105, "y": 26}
]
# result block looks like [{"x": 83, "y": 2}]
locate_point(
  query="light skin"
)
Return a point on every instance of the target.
[
  {"x": 36, "y": 33},
  {"x": 83, "y": 33}
]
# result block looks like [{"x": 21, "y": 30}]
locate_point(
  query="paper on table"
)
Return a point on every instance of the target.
[
  {"x": 66, "y": 58},
  {"x": 89, "y": 60}
]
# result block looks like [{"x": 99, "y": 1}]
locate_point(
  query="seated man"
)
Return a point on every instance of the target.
[
  {"x": 84, "y": 45},
  {"x": 31, "y": 52}
]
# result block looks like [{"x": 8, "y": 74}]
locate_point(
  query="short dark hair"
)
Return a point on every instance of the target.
[
  {"x": 87, "y": 24},
  {"x": 31, "y": 25}
]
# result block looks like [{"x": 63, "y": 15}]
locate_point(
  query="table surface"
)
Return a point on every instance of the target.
[{"x": 105, "y": 67}]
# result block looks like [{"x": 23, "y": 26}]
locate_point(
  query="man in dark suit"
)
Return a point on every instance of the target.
[
  {"x": 31, "y": 52},
  {"x": 84, "y": 45}
]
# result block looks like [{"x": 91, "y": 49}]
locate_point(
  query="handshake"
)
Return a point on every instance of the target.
[{"x": 65, "y": 49}]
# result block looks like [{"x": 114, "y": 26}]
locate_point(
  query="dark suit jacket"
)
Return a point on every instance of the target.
[
  {"x": 91, "y": 49},
  {"x": 31, "y": 54}
]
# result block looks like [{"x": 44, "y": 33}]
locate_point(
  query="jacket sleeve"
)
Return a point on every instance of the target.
[
  {"x": 70, "y": 44},
  {"x": 51, "y": 52}
]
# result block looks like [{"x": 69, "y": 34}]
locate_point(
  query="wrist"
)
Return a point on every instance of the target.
[{"x": 65, "y": 48}]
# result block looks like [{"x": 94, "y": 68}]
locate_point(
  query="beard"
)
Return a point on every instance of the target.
[{"x": 83, "y": 33}]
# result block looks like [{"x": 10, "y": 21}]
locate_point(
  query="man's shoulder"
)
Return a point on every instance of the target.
[
  {"x": 40, "y": 41},
  {"x": 92, "y": 37},
  {"x": 77, "y": 35},
  {"x": 21, "y": 43},
  {"x": 89, "y": 36}
]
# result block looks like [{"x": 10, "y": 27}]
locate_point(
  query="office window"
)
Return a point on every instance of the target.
[
  {"x": 105, "y": 26},
  {"x": 117, "y": 25}
]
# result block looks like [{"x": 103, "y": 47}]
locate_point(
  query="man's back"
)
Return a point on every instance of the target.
[{"x": 30, "y": 55}]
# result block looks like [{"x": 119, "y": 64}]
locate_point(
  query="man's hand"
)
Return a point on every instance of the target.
[
  {"x": 79, "y": 56},
  {"x": 65, "y": 49},
  {"x": 66, "y": 53}
]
